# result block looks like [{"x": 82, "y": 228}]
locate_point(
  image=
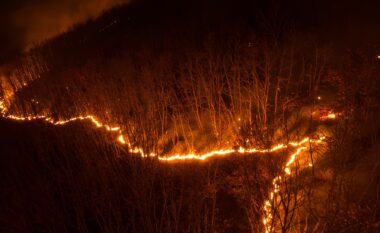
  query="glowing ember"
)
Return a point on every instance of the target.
[
  {"x": 121, "y": 139},
  {"x": 135, "y": 150},
  {"x": 325, "y": 114},
  {"x": 268, "y": 216},
  {"x": 329, "y": 116}
]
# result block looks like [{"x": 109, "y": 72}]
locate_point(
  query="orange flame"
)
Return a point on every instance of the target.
[
  {"x": 267, "y": 207},
  {"x": 136, "y": 150},
  {"x": 268, "y": 217}
]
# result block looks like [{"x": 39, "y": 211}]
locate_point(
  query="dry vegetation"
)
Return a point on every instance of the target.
[
  {"x": 224, "y": 88},
  {"x": 69, "y": 179},
  {"x": 231, "y": 90}
]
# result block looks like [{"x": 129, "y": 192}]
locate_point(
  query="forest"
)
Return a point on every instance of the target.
[{"x": 296, "y": 110}]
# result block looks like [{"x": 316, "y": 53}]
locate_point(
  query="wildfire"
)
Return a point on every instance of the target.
[
  {"x": 267, "y": 207},
  {"x": 325, "y": 114},
  {"x": 121, "y": 139},
  {"x": 330, "y": 116},
  {"x": 242, "y": 151}
]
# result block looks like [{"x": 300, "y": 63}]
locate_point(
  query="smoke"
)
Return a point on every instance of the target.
[{"x": 25, "y": 23}]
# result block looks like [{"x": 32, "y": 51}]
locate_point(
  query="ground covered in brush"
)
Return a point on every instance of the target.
[
  {"x": 343, "y": 190},
  {"x": 74, "y": 179},
  {"x": 176, "y": 81}
]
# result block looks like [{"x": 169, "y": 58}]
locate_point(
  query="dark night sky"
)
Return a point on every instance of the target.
[{"x": 24, "y": 22}]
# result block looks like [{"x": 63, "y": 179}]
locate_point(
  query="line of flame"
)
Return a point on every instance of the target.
[
  {"x": 267, "y": 207},
  {"x": 136, "y": 150},
  {"x": 268, "y": 217}
]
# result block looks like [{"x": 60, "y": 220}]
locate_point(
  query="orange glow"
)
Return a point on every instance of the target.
[
  {"x": 268, "y": 217},
  {"x": 121, "y": 139},
  {"x": 331, "y": 116},
  {"x": 267, "y": 207},
  {"x": 325, "y": 115},
  {"x": 135, "y": 150}
]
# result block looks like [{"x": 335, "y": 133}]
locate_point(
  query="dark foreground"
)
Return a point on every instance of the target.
[{"x": 70, "y": 179}]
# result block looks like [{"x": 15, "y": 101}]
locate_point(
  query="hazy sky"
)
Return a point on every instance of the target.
[{"x": 24, "y": 22}]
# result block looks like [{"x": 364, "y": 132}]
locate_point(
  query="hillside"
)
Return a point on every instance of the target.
[
  {"x": 193, "y": 116},
  {"x": 70, "y": 179}
]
